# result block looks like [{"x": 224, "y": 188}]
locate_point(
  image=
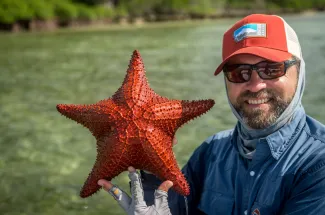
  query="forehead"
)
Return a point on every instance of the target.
[{"x": 245, "y": 59}]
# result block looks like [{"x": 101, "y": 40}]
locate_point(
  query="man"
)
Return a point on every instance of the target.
[{"x": 273, "y": 161}]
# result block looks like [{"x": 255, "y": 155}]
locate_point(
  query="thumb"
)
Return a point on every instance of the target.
[
  {"x": 165, "y": 186},
  {"x": 174, "y": 141},
  {"x": 119, "y": 195},
  {"x": 107, "y": 185}
]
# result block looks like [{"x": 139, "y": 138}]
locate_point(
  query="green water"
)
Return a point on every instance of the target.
[{"x": 45, "y": 158}]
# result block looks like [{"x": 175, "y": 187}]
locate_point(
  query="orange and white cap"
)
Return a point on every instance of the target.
[{"x": 266, "y": 36}]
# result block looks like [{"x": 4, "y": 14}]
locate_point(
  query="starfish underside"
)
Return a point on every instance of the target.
[{"x": 135, "y": 127}]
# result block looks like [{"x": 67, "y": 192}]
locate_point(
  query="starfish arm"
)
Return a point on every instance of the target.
[
  {"x": 193, "y": 109},
  {"x": 172, "y": 114},
  {"x": 135, "y": 89},
  {"x": 166, "y": 110},
  {"x": 158, "y": 148},
  {"x": 111, "y": 160},
  {"x": 98, "y": 118},
  {"x": 164, "y": 115}
]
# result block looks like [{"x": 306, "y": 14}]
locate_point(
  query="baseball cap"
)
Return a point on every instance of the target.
[{"x": 266, "y": 36}]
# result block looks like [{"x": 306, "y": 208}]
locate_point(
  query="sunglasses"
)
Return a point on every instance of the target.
[{"x": 240, "y": 73}]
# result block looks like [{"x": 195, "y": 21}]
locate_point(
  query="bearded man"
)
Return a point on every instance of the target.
[{"x": 273, "y": 161}]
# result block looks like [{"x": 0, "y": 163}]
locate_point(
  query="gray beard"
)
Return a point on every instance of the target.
[{"x": 257, "y": 118}]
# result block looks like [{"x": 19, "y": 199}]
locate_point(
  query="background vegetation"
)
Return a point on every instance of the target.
[{"x": 34, "y": 14}]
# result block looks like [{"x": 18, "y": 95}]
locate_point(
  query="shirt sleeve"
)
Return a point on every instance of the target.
[
  {"x": 308, "y": 195},
  {"x": 194, "y": 172}
]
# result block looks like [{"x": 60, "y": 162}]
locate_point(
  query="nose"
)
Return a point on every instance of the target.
[{"x": 255, "y": 84}]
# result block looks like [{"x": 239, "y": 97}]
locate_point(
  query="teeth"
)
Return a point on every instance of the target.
[{"x": 258, "y": 101}]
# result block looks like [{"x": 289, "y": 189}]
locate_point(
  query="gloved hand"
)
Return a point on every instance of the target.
[{"x": 136, "y": 204}]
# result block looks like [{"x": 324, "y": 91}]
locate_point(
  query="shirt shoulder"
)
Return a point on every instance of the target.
[
  {"x": 214, "y": 143},
  {"x": 315, "y": 129},
  {"x": 312, "y": 148},
  {"x": 218, "y": 145},
  {"x": 220, "y": 137}
]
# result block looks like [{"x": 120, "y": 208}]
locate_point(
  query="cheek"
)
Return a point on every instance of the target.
[
  {"x": 288, "y": 85},
  {"x": 233, "y": 92},
  {"x": 293, "y": 80},
  {"x": 291, "y": 90}
]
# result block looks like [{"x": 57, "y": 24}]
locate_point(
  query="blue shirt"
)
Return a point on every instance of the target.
[{"x": 285, "y": 176}]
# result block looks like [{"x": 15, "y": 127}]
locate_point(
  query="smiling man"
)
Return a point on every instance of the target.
[
  {"x": 260, "y": 103},
  {"x": 273, "y": 161}
]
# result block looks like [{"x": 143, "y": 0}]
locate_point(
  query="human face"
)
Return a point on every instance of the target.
[{"x": 261, "y": 102}]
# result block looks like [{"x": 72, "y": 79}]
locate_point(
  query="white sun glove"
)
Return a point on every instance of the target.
[{"x": 136, "y": 205}]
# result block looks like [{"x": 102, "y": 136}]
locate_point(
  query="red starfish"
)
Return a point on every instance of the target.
[{"x": 135, "y": 128}]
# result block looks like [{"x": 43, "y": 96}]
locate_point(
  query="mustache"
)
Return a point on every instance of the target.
[{"x": 268, "y": 93}]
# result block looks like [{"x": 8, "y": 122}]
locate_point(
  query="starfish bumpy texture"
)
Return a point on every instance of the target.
[{"x": 135, "y": 127}]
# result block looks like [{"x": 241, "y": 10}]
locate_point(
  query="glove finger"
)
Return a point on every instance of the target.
[
  {"x": 136, "y": 188},
  {"x": 119, "y": 195},
  {"x": 161, "y": 202}
]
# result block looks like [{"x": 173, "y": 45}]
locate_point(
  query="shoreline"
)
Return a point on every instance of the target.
[{"x": 138, "y": 23}]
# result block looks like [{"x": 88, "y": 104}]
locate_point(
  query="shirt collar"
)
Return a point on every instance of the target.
[{"x": 280, "y": 140}]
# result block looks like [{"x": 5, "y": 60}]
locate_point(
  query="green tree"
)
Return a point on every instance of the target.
[
  {"x": 64, "y": 10},
  {"x": 86, "y": 13},
  {"x": 103, "y": 12},
  {"x": 14, "y": 10},
  {"x": 319, "y": 4},
  {"x": 97, "y": 2},
  {"x": 41, "y": 9},
  {"x": 296, "y": 5}
]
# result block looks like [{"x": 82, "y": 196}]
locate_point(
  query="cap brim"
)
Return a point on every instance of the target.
[{"x": 267, "y": 53}]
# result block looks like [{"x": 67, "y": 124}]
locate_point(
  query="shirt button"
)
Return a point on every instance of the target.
[
  {"x": 252, "y": 173},
  {"x": 245, "y": 212}
]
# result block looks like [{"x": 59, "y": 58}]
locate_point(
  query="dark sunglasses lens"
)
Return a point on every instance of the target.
[
  {"x": 238, "y": 74},
  {"x": 271, "y": 70}
]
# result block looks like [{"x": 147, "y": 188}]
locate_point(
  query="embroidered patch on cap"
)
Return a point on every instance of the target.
[{"x": 250, "y": 30}]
